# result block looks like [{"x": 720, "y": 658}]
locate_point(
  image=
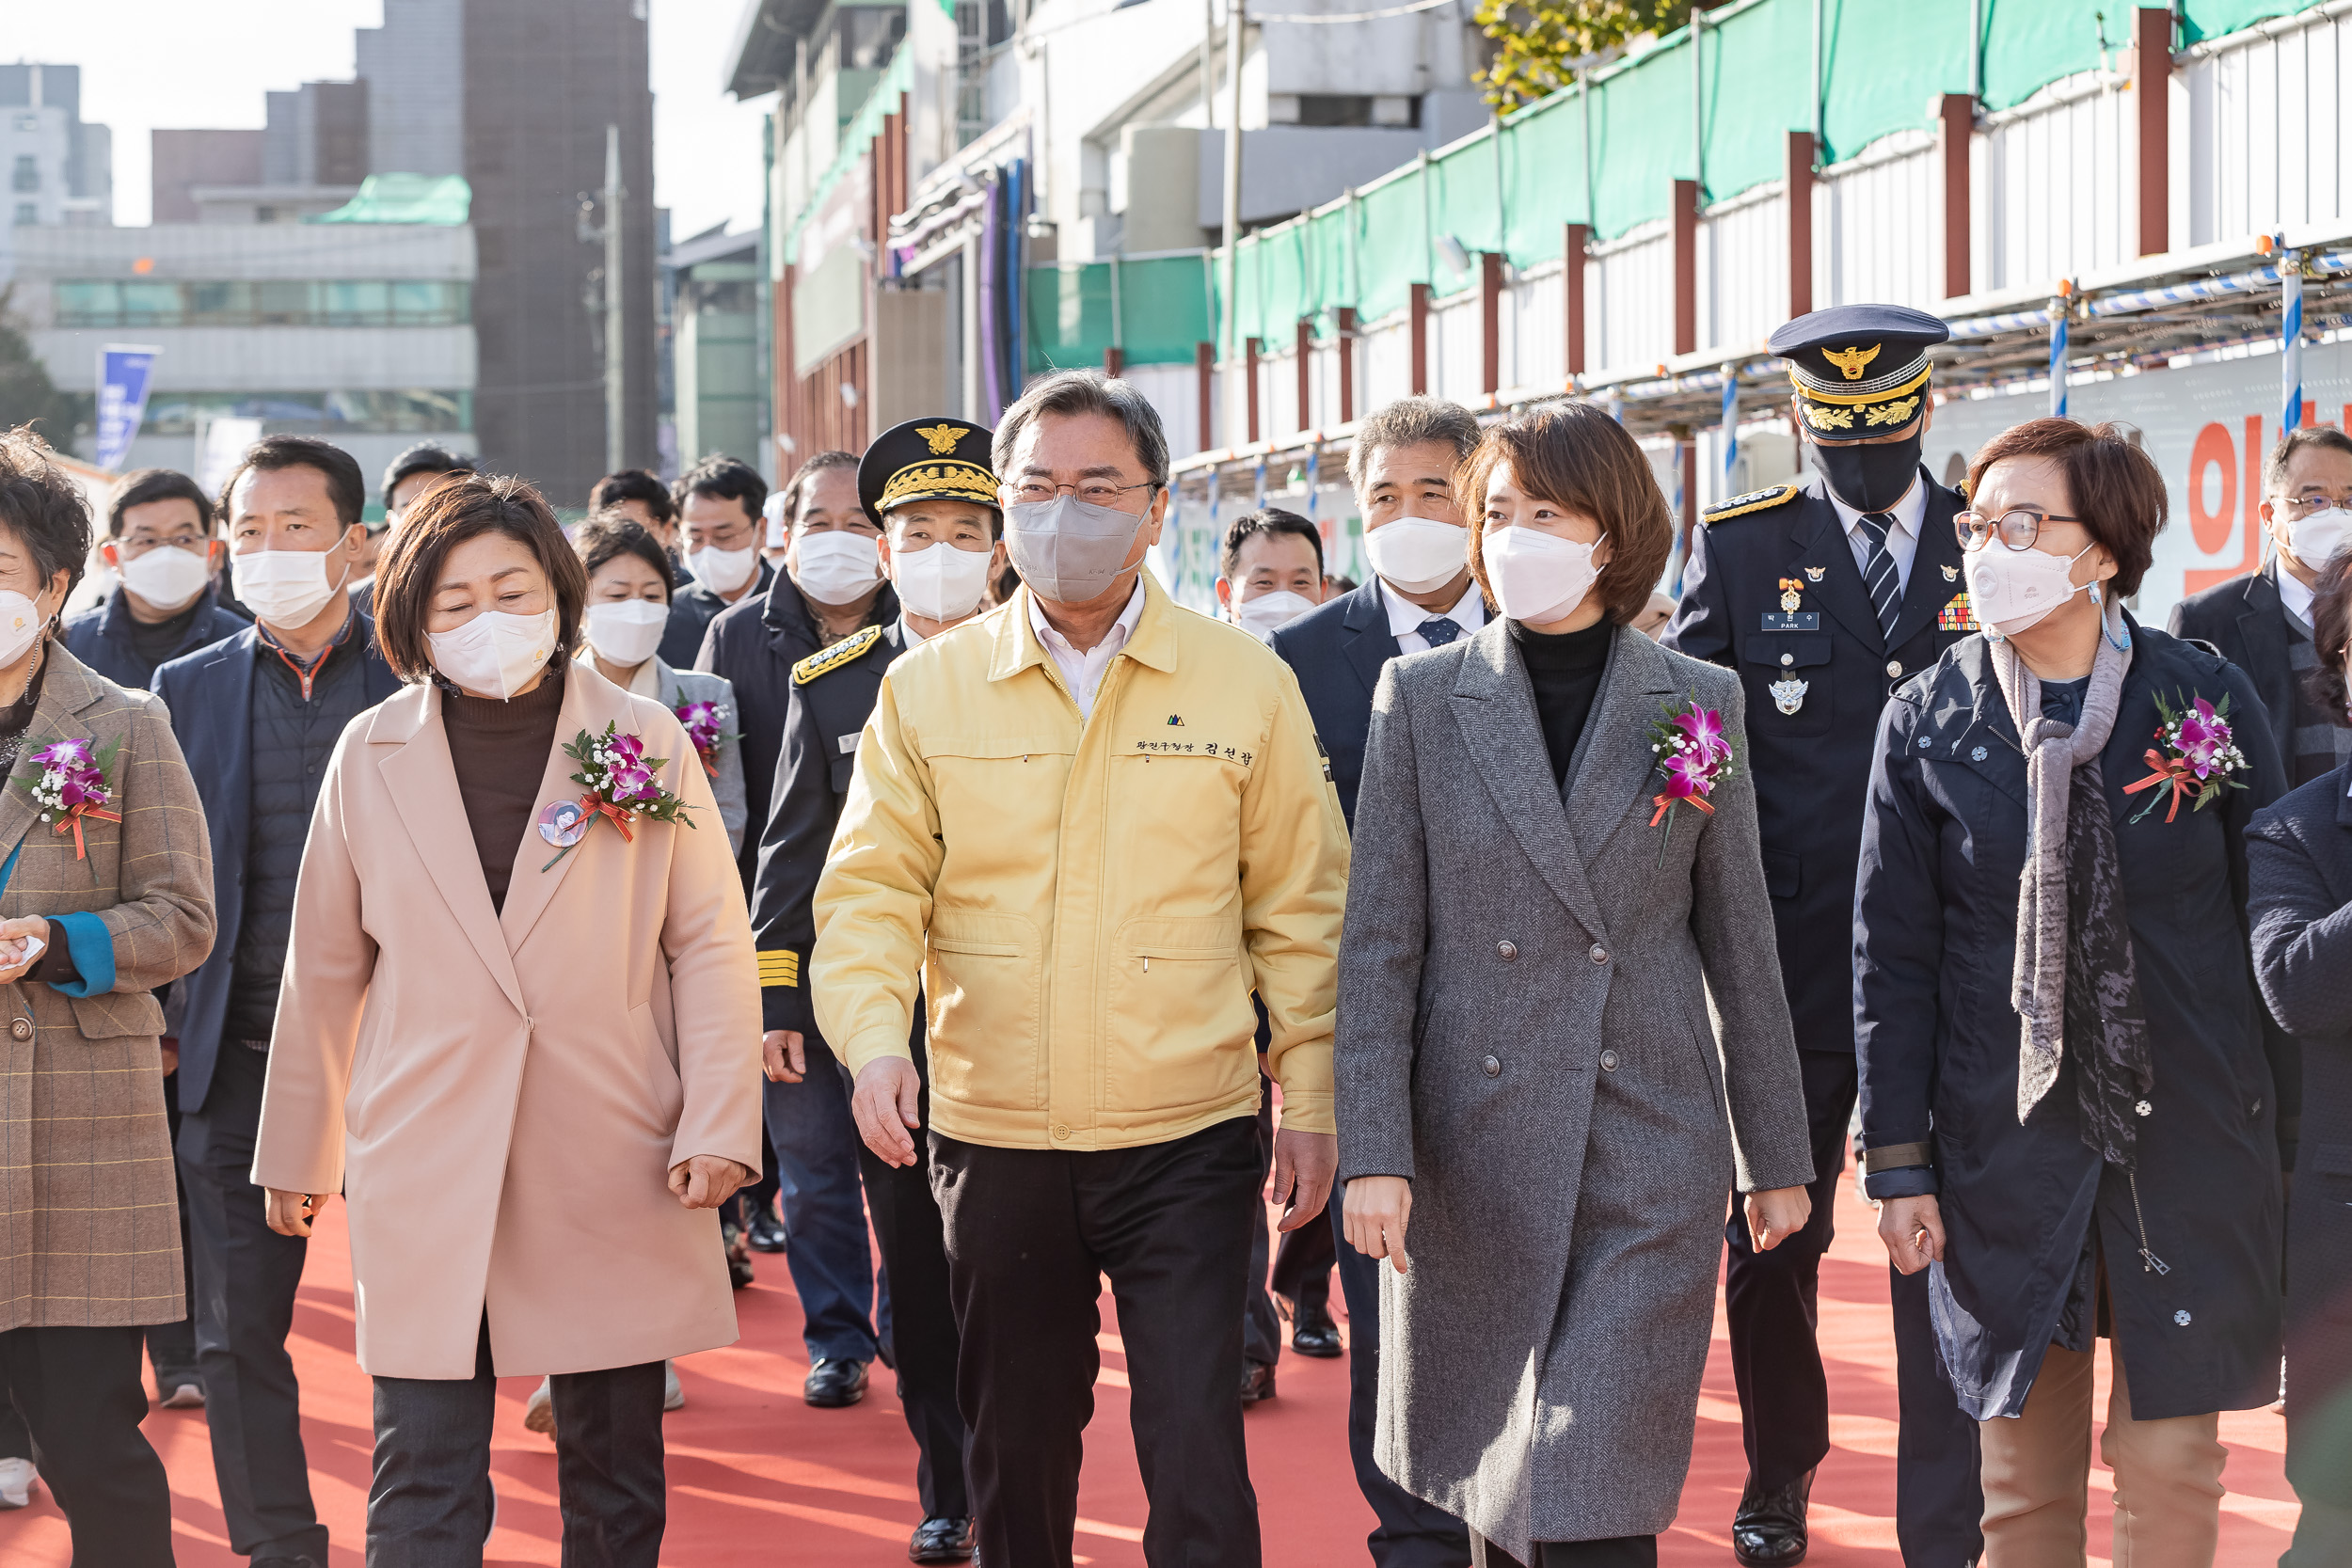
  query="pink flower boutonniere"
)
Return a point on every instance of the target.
[
  {"x": 70, "y": 783},
  {"x": 2195, "y": 756},
  {"x": 707, "y": 727},
  {"x": 619, "y": 779},
  {"x": 1694, "y": 755}
]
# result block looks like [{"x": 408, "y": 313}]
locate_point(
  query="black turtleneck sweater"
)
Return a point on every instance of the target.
[
  {"x": 1564, "y": 669},
  {"x": 500, "y": 750}
]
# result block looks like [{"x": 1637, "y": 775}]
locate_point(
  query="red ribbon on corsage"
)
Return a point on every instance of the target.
[
  {"x": 74, "y": 820},
  {"x": 1667, "y": 802},
  {"x": 2168, "y": 771},
  {"x": 596, "y": 805}
]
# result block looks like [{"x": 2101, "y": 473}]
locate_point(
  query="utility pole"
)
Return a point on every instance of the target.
[
  {"x": 1232, "y": 194},
  {"x": 615, "y": 423}
]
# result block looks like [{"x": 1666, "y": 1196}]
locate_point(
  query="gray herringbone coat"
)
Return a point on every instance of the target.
[
  {"x": 89, "y": 1225},
  {"x": 1524, "y": 1032}
]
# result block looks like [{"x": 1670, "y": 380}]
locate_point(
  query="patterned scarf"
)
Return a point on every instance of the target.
[{"x": 2075, "y": 977}]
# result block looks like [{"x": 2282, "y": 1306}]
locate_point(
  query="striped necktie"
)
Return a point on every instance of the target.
[{"x": 1878, "y": 574}]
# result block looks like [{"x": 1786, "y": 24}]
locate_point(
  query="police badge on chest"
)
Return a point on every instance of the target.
[{"x": 1788, "y": 693}]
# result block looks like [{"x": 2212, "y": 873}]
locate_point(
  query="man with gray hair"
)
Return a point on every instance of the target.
[
  {"x": 1086, "y": 825},
  {"x": 1420, "y": 596}
]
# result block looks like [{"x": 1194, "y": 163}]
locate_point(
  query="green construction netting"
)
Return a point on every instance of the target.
[
  {"x": 442, "y": 198},
  {"x": 1163, "y": 311},
  {"x": 1883, "y": 67}
]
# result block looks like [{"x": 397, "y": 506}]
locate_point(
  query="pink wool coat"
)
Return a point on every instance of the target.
[{"x": 500, "y": 1095}]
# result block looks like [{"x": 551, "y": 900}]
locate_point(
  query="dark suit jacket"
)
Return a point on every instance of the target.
[
  {"x": 1336, "y": 650},
  {"x": 210, "y": 694},
  {"x": 2299, "y": 856},
  {"x": 692, "y": 607},
  {"x": 1812, "y": 767},
  {"x": 100, "y": 636},
  {"x": 2246, "y": 622}
]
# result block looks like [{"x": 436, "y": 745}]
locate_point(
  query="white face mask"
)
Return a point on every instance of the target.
[
  {"x": 939, "y": 581},
  {"x": 723, "y": 571},
  {"x": 837, "y": 567},
  {"x": 495, "y": 654},
  {"x": 285, "y": 588},
  {"x": 167, "y": 576},
  {"x": 1417, "y": 555},
  {"x": 1269, "y": 611},
  {"x": 2315, "y": 538},
  {"x": 625, "y": 632},
  {"x": 1537, "y": 576},
  {"x": 20, "y": 624},
  {"x": 2011, "y": 591}
]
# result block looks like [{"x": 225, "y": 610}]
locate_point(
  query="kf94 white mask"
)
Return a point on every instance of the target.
[
  {"x": 1416, "y": 555},
  {"x": 2011, "y": 590},
  {"x": 723, "y": 571},
  {"x": 20, "y": 624},
  {"x": 836, "y": 567},
  {"x": 1269, "y": 613},
  {"x": 167, "y": 576},
  {"x": 2316, "y": 537},
  {"x": 1537, "y": 576},
  {"x": 495, "y": 654},
  {"x": 285, "y": 588},
  {"x": 939, "y": 581},
  {"x": 625, "y": 632}
]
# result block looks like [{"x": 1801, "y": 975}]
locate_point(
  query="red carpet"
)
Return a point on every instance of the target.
[{"x": 758, "y": 1478}]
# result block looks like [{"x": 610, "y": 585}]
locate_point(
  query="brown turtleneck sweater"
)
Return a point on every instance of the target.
[{"x": 499, "y": 750}]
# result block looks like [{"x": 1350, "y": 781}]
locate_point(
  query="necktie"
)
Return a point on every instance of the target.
[
  {"x": 1878, "y": 574},
  {"x": 1438, "y": 631}
]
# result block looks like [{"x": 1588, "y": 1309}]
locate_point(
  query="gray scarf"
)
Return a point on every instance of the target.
[{"x": 2053, "y": 752}]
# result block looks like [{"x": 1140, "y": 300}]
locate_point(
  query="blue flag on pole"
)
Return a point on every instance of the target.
[{"x": 122, "y": 377}]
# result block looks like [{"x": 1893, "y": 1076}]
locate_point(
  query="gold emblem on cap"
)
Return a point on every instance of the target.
[
  {"x": 944, "y": 437},
  {"x": 1896, "y": 413},
  {"x": 1828, "y": 419},
  {"x": 1852, "y": 360}
]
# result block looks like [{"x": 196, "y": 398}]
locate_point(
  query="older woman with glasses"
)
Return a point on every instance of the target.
[{"x": 2070, "y": 1114}]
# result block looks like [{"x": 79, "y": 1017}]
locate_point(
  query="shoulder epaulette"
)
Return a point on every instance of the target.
[
  {"x": 1755, "y": 500},
  {"x": 833, "y": 657}
]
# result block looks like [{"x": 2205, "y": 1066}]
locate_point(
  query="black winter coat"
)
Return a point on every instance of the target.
[
  {"x": 1934, "y": 927},
  {"x": 2298, "y": 857}
]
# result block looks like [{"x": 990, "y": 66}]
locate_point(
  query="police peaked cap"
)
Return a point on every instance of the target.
[
  {"x": 1859, "y": 370},
  {"x": 923, "y": 460}
]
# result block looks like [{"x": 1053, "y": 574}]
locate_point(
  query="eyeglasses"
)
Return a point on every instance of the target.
[
  {"x": 2303, "y": 506},
  {"x": 2018, "y": 528},
  {"x": 1094, "y": 492}
]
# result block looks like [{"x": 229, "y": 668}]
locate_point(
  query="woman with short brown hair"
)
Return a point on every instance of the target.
[
  {"x": 2070, "y": 1114},
  {"x": 520, "y": 990},
  {"x": 1526, "y": 1072}
]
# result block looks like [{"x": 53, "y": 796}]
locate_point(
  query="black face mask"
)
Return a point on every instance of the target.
[{"x": 1873, "y": 476}]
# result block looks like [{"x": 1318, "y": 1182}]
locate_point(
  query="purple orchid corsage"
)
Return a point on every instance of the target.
[
  {"x": 1694, "y": 755},
  {"x": 69, "y": 784},
  {"x": 2196, "y": 757},
  {"x": 620, "y": 781},
  {"x": 707, "y": 727}
]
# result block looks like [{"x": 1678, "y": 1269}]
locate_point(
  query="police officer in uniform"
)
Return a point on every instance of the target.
[
  {"x": 927, "y": 484},
  {"x": 1823, "y": 596}
]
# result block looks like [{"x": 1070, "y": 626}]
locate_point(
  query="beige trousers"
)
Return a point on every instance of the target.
[{"x": 2037, "y": 1473}]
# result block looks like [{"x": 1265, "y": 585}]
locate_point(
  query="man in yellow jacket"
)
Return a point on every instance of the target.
[{"x": 1087, "y": 826}]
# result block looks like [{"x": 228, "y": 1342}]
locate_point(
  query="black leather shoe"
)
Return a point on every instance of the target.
[
  {"x": 766, "y": 1231},
  {"x": 941, "y": 1540},
  {"x": 1315, "y": 1334},
  {"x": 1768, "y": 1530},
  {"x": 1257, "y": 1382},
  {"x": 835, "y": 1385}
]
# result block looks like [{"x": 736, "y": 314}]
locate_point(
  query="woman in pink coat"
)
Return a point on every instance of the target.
[{"x": 520, "y": 1034}]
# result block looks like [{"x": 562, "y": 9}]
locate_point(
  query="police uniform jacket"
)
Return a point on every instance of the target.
[
  {"x": 1935, "y": 928},
  {"x": 832, "y": 696},
  {"x": 1811, "y": 764},
  {"x": 2299, "y": 868}
]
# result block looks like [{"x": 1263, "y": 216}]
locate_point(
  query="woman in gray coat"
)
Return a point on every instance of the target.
[{"x": 1555, "y": 863}]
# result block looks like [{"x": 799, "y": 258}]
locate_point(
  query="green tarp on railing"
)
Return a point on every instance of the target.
[
  {"x": 442, "y": 198},
  {"x": 1163, "y": 311}
]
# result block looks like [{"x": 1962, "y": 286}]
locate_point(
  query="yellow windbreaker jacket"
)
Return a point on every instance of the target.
[{"x": 1088, "y": 904}]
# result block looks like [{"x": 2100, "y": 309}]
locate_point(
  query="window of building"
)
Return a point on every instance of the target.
[
  {"x": 106, "y": 303},
  {"x": 28, "y": 214},
  {"x": 29, "y": 123},
  {"x": 27, "y": 176},
  {"x": 407, "y": 411}
]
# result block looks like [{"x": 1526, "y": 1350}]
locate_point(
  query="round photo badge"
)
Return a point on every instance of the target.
[{"x": 563, "y": 823}]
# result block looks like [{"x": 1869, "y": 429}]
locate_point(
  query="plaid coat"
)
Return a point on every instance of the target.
[{"x": 89, "y": 1227}]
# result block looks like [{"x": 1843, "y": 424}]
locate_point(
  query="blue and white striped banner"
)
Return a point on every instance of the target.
[
  {"x": 2291, "y": 345},
  {"x": 2061, "y": 308},
  {"x": 1731, "y": 433}
]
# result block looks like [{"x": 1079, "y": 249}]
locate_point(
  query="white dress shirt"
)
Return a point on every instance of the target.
[
  {"x": 1405, "y": 616},
  {"x": 1902, "y": 540},
  {"x": 2292, "y": 592},
  {"x": 1083, "y": 671}
]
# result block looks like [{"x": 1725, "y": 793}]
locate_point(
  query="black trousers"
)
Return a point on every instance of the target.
[
  {"x": 1302, "y": 1267},
  {"x": 429, "y": 1504},
  {"x": 1412, "y": 1533},
  {"x": 1302, "y": 1262},
  {"x": 1030, "y": 1233},
  {"x": 1618, "y": 1551},
  {"x": 245, "y": 1279},
  {"x": 1772, "y": 1305},
  {"x": 923, "y": 1341},
  {"x": 79, "y": 1393}
]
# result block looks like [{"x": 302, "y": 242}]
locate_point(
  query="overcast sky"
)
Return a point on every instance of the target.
[{"x": 179, "y": 63}]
